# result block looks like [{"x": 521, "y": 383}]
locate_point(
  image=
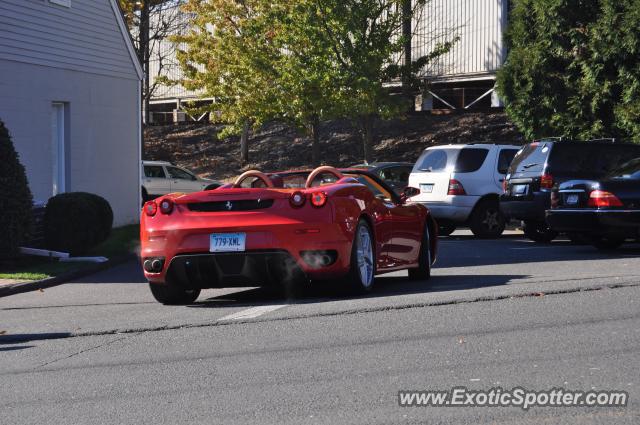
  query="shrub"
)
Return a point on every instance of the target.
[
  {"x": 76, "y": 222},
  {"x": 573, "y": 68},
  {"x": 15, "y": 198}
]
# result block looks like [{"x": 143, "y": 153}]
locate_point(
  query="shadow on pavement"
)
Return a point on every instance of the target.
[
  {"x": 20, "y": 338},
  {"x": 466, "y": 251},
  {"x": 330, "y": 291},
  {"x": 129, "y": 272},
  {"x": 16, "y": 348}
]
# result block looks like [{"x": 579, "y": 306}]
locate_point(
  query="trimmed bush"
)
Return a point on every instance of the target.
[
  {"x": 15, "y": 198},
  {"x": 76, "y": 222}
]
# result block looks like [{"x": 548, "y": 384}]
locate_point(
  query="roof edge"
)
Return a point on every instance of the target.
[{"x": 117, "y": 11}]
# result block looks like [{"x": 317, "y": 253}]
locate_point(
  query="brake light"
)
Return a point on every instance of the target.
[
  {"x": 297, "y": 199},
  {"x": 455, "y": 188},
  {"x": 166, "y": 206},
  {"x": 151, "y": 208},
  {"x": 546, "y": 181},
  {"x": 602, "y": 199},
  {"x": 318, "y": 199},
  {"x": 505, "y": 185}
]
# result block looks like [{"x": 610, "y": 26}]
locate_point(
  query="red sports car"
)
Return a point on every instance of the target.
[{"x": 297, "y": 226}]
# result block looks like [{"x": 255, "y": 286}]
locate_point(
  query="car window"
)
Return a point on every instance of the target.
[
  {"x": 630, "y": 170},
  {"x": 177, "y": 173},
  {"x": 470, "y": 160},
  {"x": 589, "y": 160},
  {"x": 154, "y": 172},
  {"x": 378, "y": 191},
  {"x": 504, "y": 159},
  {"x": 434, "y": 160},
  {"x": 395, "y": 174},
  {"x": 532, "y": 157}
]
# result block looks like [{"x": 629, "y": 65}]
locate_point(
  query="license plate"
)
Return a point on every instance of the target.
[
  {"x": 227, "y": 242},
  {"x": 572, "y": 199},
  {"x": 519, "y": 189},
  {"x": 426, "y": 188}
]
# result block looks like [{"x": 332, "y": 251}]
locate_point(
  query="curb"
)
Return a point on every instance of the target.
[{"x": 19, "y": 288}]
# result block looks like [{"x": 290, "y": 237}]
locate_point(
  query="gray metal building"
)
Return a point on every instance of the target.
[{"x": 70, "y": 96}]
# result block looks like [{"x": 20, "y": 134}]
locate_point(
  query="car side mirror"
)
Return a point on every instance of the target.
[{"x": 408, "y": 192}]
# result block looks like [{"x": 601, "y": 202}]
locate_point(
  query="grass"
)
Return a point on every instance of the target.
[{"x": 122, "y": 241}]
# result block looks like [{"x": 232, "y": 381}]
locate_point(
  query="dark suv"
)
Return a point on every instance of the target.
[{"x": 543, "y": 164}]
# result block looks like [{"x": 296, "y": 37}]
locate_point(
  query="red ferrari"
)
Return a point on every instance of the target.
[{"x": 289, "y": 227}]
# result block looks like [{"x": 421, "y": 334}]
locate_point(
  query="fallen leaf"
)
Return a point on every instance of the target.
[
  {"x": 3, "y": 332},
  {"x": 461, "y": 340},
  {"x": 40, "y": 290}
]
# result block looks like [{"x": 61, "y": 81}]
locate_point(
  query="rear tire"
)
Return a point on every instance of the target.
[
  {"x": 423, "y": 272},
  {"x": 173, "y": 295},
  {"x": 487, "y": 221},
  {"x": 362, "y": 270},
  {"x": 608, "y": 243},
  {"x": 539, "y": 231}
]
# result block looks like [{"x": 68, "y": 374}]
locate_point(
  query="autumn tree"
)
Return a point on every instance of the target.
[
  {"x": 151, "y": 23},
  {"x": 301, "y": 61}
]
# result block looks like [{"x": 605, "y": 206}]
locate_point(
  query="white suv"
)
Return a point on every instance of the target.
[
  {"x": 461, "y": 185},
  {"x": 160, "y": 178}
]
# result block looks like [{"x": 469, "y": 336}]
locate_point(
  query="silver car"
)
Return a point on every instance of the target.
[{"x": 160, "y": 178}]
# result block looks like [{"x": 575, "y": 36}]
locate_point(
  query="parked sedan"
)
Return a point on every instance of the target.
[
  {"x": 161, "y": 178},
  {"x": 605, "y": 211}
]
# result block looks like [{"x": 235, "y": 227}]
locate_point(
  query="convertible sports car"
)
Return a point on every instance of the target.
[{"x": 284, "y": 228}]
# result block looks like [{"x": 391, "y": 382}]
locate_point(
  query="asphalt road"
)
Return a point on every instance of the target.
[{"x": 506, "y": 313}]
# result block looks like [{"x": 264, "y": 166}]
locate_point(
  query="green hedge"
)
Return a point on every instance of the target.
[
  {"x": 16, "y": 201},
  {"x": 76, "y": 222}
]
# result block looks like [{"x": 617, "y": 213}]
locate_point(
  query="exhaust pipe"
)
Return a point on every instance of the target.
[{"x": 153, "y": 265}]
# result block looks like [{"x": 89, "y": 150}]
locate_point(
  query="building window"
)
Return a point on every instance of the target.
[
  {"x": 65, "y": 3},
  {"x": 59, "y": 133}
]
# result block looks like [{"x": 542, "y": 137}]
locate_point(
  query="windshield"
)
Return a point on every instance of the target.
[{"x": 466, "y": 160}]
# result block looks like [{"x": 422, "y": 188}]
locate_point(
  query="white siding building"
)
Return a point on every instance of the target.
[{"x": 70, "y": 96}]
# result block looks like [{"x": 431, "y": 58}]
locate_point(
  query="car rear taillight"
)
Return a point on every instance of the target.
[
  {"x": 455, "y": 188},
  {"x": 318, "y": 199},
  {"x": 166, "y": 206},
  {"x": 297, "y": 199},
  {"x": 602, "y": 199},
  {"x": 151, "y": 208},
  {"x": 546, "y": 181},
  {"x": 505, "y": 185}
]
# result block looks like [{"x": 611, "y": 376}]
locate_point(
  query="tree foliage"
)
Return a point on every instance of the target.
[
  {"x": 16, "y": 201},
  {"x": 299, "y": 60},
  {"x": 573, "y": 68},
  {"x": 150, "y": 24}
]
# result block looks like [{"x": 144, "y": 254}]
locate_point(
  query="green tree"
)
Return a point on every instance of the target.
[
  {"x": 369, "y": 41},
  {"x": 15, "y": 198},
  {"x": 573, "y": 68},
  {"x": 301, "y": 61}
]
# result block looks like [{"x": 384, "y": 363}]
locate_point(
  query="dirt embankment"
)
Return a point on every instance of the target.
[{"x": 279, "y": 147}]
